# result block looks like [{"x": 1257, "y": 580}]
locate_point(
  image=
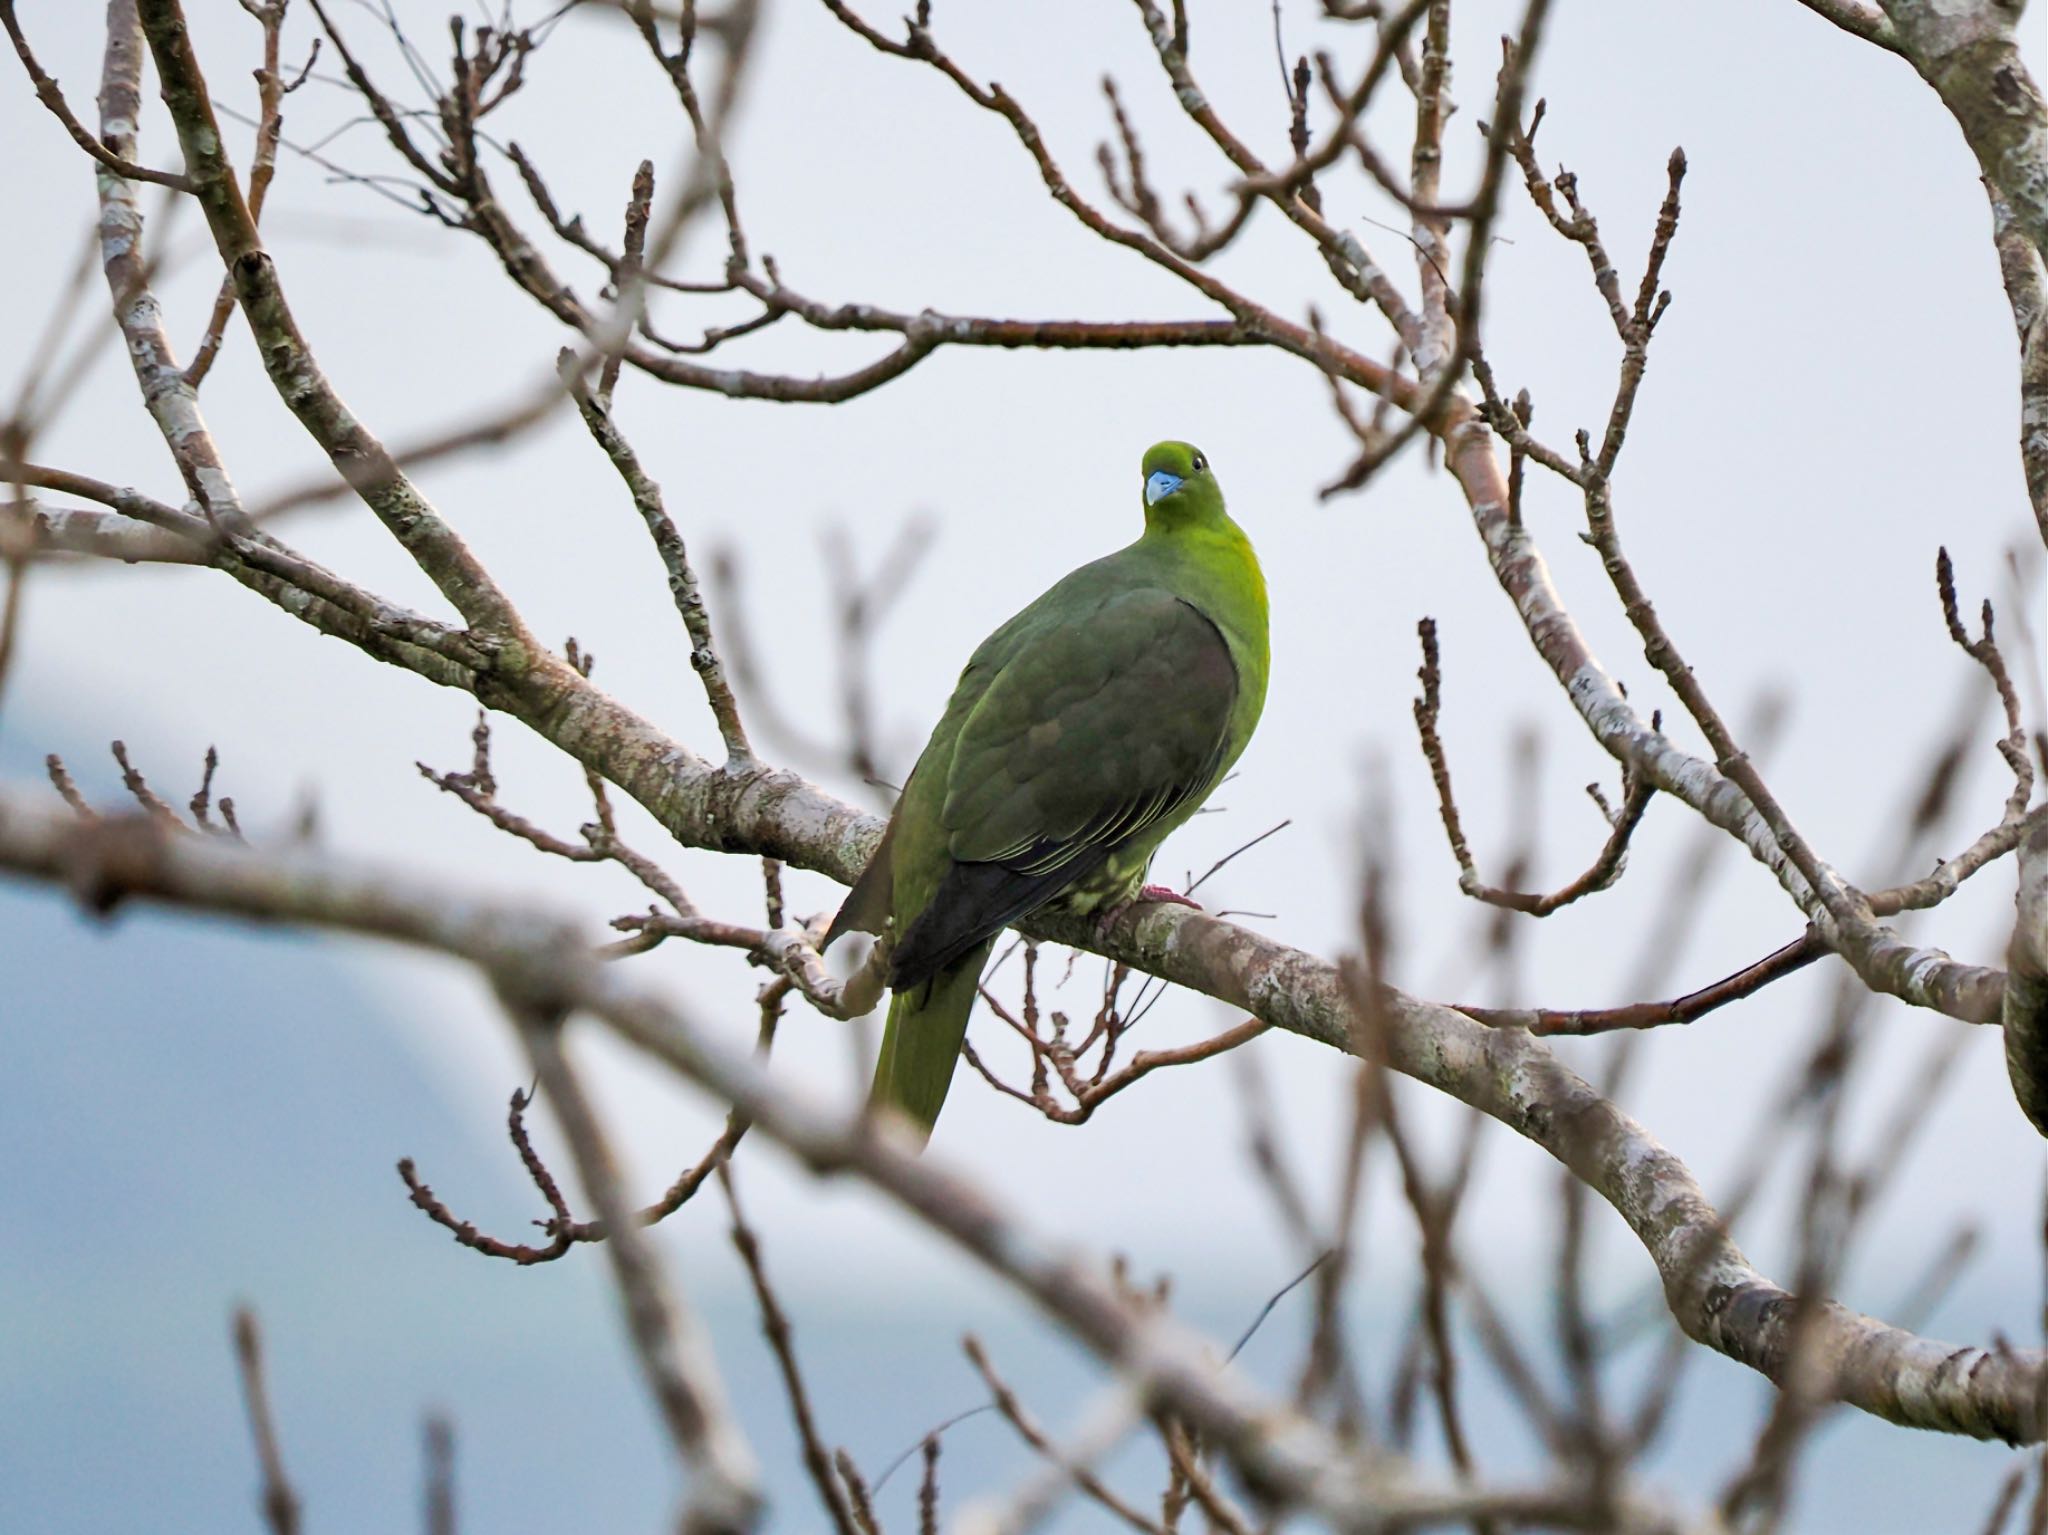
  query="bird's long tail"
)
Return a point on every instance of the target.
[{"x": 921, "y": 1045}]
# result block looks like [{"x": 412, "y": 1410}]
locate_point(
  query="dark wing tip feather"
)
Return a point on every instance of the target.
[{"x": 975, "y": 901}]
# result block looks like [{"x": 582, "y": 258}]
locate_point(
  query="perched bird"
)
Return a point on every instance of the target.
[{"x": 1082, "y": 732}]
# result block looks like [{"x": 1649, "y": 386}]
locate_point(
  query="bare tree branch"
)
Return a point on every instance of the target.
[
  {"x": 537, "y": 962},
  {"x": 356, "y": 454},
  {"x": 1966, "y": 50},
  {"x": 280, "y": 1503},
  {"x": 1713, "y": 1291},
  {"x": 48, "y": 93},
  {"x": 1860, "y": 19},
  {"x": 673, "y": 1345}
]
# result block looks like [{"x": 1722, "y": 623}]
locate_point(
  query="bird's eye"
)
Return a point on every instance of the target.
[{"x": 1200, "y": 463}]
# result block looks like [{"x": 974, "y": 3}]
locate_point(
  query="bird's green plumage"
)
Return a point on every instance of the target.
[{"x": 1081, "y": 733}]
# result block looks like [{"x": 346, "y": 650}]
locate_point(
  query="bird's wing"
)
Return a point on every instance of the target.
[{"x": 1095, "y": 729}]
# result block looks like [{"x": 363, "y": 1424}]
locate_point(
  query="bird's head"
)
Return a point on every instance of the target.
[{"x": 1179, "y": 486}]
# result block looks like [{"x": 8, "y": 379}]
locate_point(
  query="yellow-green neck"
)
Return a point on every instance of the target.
[{"x": 1215, "y": 564}]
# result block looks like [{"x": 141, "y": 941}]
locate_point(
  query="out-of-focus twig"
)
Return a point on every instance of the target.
[{"x": 280, "y": 1503}]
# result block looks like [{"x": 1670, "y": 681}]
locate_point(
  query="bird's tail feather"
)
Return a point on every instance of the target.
[{"x": 921, "y": 1045}]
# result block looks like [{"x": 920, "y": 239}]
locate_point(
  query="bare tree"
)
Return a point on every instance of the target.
[{"x": 1414, "y": 377}]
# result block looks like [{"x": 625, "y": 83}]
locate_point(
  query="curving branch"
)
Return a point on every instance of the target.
[
  {"x": 106, "y": 152},
  {"x": 2025, "y": 1012},
  {"x": 748, "y": 806},
  {"x": 540, "y": 966},
  {"x": 1607, "y": 864},
  {"x": 1727, "y": 793},
  {"x": 2025, "y": 274},
  {"x": 1859, "y": 19},
  {"x": 1968, "y": 51},
  {"x": 356, "y": 453},
  {"x": 1712, "y": 1290},
  {"x": 505, "y": 669}
]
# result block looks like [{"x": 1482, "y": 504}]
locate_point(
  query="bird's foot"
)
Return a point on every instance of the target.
[{"x": 1148, "y": 895}]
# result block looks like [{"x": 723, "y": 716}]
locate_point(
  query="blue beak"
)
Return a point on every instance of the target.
[{"x": 1159, "y": 483}]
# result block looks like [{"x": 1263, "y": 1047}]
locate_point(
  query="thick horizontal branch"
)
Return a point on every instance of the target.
[
  {"x": 1714, "y": 1293},
  {"x": 536, "y": 959}
]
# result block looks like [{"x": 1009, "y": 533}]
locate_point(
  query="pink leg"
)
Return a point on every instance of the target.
[{"x": 1150, "y": 895}]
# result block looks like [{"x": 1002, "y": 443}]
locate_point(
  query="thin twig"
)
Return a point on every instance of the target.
[
  {"x": 1028, "y": 1429},
  {"x": 1607, "y": 865},
  {"x": 1779, "y": 963},
  {"x": 682, "y": 580},
  {"x": 775, "y": 1324},
  {"x": 279, "y": 1502},
  {"x": 49, "y": 95}
]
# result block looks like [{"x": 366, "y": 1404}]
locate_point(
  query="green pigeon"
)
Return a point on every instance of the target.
[{"x": 1082, "y": 732}]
